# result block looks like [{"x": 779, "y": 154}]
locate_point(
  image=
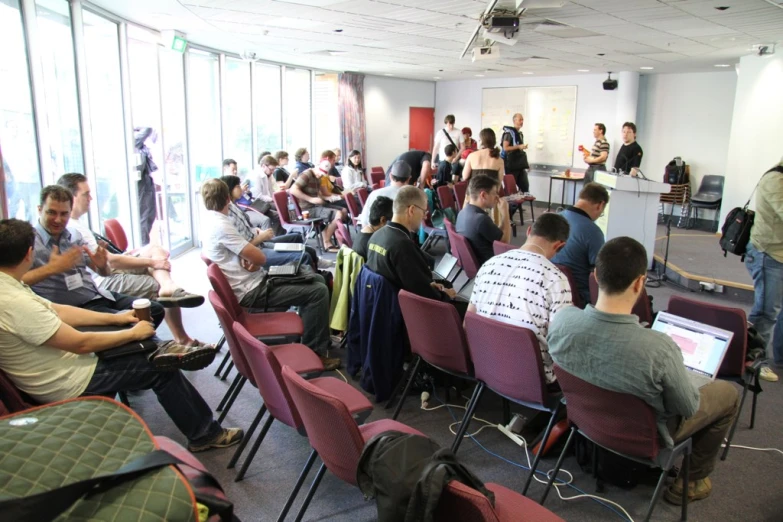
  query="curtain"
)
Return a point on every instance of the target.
[{"x": 350, "y": 99}]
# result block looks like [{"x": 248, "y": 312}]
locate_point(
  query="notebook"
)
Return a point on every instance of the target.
[
  {"x": 703, "y": 347},
  {"x": 286, "y": 270}
]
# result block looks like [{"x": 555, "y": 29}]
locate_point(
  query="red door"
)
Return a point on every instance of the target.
[{"x": 422, "y": 126}]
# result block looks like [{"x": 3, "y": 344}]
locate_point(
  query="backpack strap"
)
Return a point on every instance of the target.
[
  {"x": 449, "y": 137},
  {"x": 777, "y": 168}
]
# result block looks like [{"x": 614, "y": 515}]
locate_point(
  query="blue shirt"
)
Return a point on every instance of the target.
[
  {"x": 54, "y": 288},
  {"x": 585, "y": 239}
]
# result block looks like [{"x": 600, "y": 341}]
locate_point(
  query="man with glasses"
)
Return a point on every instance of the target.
[
  {"x": 400, "y": 174},
  {"x": 585, "y": 238},
  {"x": 393, "y": 253},
  {"x": 474, "y": 223}
]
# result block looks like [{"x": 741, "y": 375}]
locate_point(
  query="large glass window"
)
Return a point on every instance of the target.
[
  {"x": 101, "y": 43},
  {"x": 203, "y": 116},
  {"x": 237, "y": 130},
  {"x": 327, "y": 123},
  {"x": 17, "y": 129},
  {"x": 62, "y": 106},
  {"x": 267, "y": 107},
  {"x": 297, "y": 111}
]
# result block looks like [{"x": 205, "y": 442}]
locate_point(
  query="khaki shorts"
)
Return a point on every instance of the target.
[{"x": 134, "y": 283}]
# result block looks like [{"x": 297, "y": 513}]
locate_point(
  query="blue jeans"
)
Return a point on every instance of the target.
[
  {"x": 183, "y": 404},
  {"x": 767, "y": 313}
]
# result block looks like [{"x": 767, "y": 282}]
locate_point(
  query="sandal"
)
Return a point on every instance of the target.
[
  {"x": 181, "y": 299},
  {"x": 332, "y": 250}
]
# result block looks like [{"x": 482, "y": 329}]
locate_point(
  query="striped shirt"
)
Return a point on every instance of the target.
[
  {"x": 524, "y": 289},
  {"x": 601, "y": 145}
]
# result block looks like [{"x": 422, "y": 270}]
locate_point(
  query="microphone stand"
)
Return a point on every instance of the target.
[{"x": 661, "y": 276}]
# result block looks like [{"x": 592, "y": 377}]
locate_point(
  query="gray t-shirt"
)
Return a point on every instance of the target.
[{"x": 615, "y": 352}]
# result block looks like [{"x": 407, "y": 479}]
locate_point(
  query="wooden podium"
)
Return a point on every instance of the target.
[{"x": 632, "y": 210}]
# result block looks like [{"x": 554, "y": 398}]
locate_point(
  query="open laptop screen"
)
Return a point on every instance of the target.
[
  {"x": 445, "y": 266},
  {"x": 703, "y": 347}
]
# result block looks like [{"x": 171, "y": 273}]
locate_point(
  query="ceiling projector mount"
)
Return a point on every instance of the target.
[{"x": 609, "y": 84}]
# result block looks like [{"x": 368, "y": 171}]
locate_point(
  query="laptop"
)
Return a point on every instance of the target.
[
  {"x": 703, "y": 347},
  {"x": 444, "y": 267},
  {"x": 286, "y": 270},
  {"x": 289, "y": 247},
  {"x": 465, "y": 292}
]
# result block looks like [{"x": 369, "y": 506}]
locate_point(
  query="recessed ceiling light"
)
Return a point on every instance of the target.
[
  {"x": 337, "y": 53},
  {"x": 526, "y": 72},
  {"x": 722, "y": 65},
  {"x": 388, "y": 74},
  {"x": 646, "y": 68},
  {"x": 436, "y": 77},
  {"x": 583, "y": 70},
  {"x": 479, "y": 76}
]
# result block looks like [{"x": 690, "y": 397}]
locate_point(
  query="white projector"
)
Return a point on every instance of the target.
[{"x": 486, "y": 53}]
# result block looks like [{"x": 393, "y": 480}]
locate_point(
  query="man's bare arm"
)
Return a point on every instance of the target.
[
  {"x": 75, "y": 316},
  {"x": 68, "y": 339}
]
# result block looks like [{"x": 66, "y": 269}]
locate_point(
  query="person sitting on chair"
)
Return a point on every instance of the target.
[
  {"x": 309, "y": 192},
  {"x": 474, "y": 223},
  {"x": 381, "y": 213},
  {"x": 46, "y": 357},
  {"x": 606, "y": 346}
]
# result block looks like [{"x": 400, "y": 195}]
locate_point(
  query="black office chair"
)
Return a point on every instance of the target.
[{"x": 709, "y": 196}]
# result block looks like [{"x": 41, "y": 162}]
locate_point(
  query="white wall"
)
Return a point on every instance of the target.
[
  {"x": 756, "y": 141},
  {"x": 386, "y": 103}
]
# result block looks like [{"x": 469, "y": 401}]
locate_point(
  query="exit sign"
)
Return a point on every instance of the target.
[{"x": 179, "y": 44}]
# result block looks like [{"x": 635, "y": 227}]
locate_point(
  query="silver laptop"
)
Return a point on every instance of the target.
[
  {"x": 289, "y": 247},
  {"x": 286, "y": 270},
  {"x": 703, "y": 347},
  {"x": 444, "y": 267}
]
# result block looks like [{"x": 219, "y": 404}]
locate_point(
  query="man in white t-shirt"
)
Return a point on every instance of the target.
[
  {"x": 45, "y": 356},
  {"x": 147, "y": 274},
  {"x": 446, "y": 136},
  {"x": 242, "y": 265},
  {"x": 522, "y": 287}
]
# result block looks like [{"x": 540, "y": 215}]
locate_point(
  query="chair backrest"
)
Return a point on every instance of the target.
[
  {"x": 333, "y": 433},
  {"x": 732, "y": 319},
  {"x": 281, "y": 204},
  {"x": 377, "y": 169},
  {"x": 377, "y": 176},
  {"x": 460, "y": 191},
  {"x": 641, "y": 309},
  {"x": 443, "y": 344},
  {"x": 506, "y": 358},
  {"x": 343, "y": 235},
  {"x": 376, "y": 186},
  {"x": 223, "y": 289},
  {"x": 227, "y": 323},
  {"x": 509, "y": 185},
  {"x": 207, "y": 261},
  {"x": 12, "y": 399},
  {"x": 451, "y": 232},
  {"x": 338, "y": 182},
  {"x": 618, "y": 421},
  {"x": 499, "y": 247},
  {"x": 116, "y": 234},
  {"x": 711, "y": 184},
  {"x": 353, "y": 207},
  {"x": 461, "y": 503},
  {"x": 593, "y": 282},
  {"x": 575, "y": 298},
  {"x": 297, "y": 207},
  {"x": 467, "y": 257},
  {"x": 446, "y": 197},
  {"x": 362, "y": 194},
  {"x": 268, "y": 375}
]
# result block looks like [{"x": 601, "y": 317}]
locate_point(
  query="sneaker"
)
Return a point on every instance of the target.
[
  {"x": 330, "y": 363},
  {"x": 174, "y": 356},
  {"x": 226, "y": 438},
  {"x": 325, "y": 263},
  {"x": 697, "y": 490},
  {"x": 766, "y": 374}
]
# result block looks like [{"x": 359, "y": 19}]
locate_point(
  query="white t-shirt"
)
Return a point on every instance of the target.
[
  {"x": 222, "y": 243},
  {"x": 390, "y": 192},
  {"x": 441, "y": 141},
  {"x": 26, "y": 322},
  {"x": 524, "y": 289}
]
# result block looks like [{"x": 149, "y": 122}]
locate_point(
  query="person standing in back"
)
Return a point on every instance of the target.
[
  {"x": 514, "y": 153},
  {"x": 448, "y": 135},
  {"x": 597, "y": 156},
  {"x": 764, "y": 261}
]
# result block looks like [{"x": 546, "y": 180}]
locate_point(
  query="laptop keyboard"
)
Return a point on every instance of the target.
[{"x": 282, "y": 270}]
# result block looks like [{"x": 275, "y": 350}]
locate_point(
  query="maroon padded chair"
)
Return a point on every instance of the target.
[
  {"x": 343, "y": 235},
  {"x": 575, "y": 298},
  {"x": 507, "y": 360},
  {"x": 467, "y": 258},
  {"x": 116, "y": 234},
  {"x": 460, "y": 192},
  {"x": 461, "y": 503},
  {"x": 499, "y": 247},
  {"x": 226, "y": 358},
  {"x": 446, "y": 197},
  {"x": 377, "y": 176},
  {"x": 362, "y": 194},
  {"x": 333, "y": 433},
  {"x": 303, "y": 226},
  {"x": 444, "y": 347},
  {"x": 353, "y": 209},
  {"x": 623, "y": 424},
  {"x": 734, "y": 367},
  {"x": 12, "y": 399},
  {"x": 510, "y": 188},
  {"x": 266, "y": 365},
  {"x": 641, "y": 309}
]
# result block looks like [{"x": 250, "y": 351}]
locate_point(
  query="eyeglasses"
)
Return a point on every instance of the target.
[{"x": 422, "y": 209}]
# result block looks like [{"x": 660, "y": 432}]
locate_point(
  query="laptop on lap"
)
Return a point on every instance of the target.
[
  {"x": 703, "y": 346},
  {"x": 286, "y": 270}
]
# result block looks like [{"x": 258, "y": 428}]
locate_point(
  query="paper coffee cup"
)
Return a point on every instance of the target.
[
  {"x": 306, "y": 214},
  {"x": 142, "y": 309}
]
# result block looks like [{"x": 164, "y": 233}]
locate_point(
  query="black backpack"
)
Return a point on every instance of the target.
[
  {"x": 675, "y": 175},
  {"x": 735, "y": 233}
]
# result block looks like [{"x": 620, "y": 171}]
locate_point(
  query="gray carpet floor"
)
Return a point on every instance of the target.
[{"x": 746, "y": 487}]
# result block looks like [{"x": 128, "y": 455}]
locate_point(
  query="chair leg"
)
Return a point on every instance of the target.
[
  {"x": 686, "y": 467},
  {"x": 469, "y": 410},
  {"x": 254, "y": 449},
  {"x": 246, "y": 438},
  {"x": 657, "y": 494},
  {"x": 506, "y": 411},
  {"x": 220, "y": 343},
  {"x": 298, "y": 485},
  {"x": 541, "y": 447},
  {"x": 407, "y": 388},
  {"x": 224, "y": 362},
  {"x": 230, "y": 402},
  {"x": 311, "y": 492},
  {"x": 228, "y": 369},
  {"x": 228, "y": 394},
  {"x": 736, "y": 421},
  {"x": 557, "y": 466},
  {"x": 532, "y": 214},
  {"x": 756, "y": 391}
]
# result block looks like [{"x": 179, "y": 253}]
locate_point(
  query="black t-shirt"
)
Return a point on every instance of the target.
[
  {"x": 479, "y": 230},
  {"x": 281, "y": 175},
  {"x": 360, "y": 242},
  {"x": 414, "y": 158},
  {"x": 444, "y": 173},
  {"x": 630, "y": 156}
]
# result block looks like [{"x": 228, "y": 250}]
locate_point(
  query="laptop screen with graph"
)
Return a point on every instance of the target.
[{"x": 703, "y": 347}]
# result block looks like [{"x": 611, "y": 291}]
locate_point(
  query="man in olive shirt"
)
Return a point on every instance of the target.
[
  {"x": 606, "y": 346},
  {"x": 764, "y": 261}
]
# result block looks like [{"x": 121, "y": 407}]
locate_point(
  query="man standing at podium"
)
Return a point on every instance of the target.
[
  {"x": 596, "y": 158},
  {"x": 630, "y": 155}
]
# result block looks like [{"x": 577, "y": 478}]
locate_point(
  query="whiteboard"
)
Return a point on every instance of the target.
[{"x": 550, "y": 119}]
